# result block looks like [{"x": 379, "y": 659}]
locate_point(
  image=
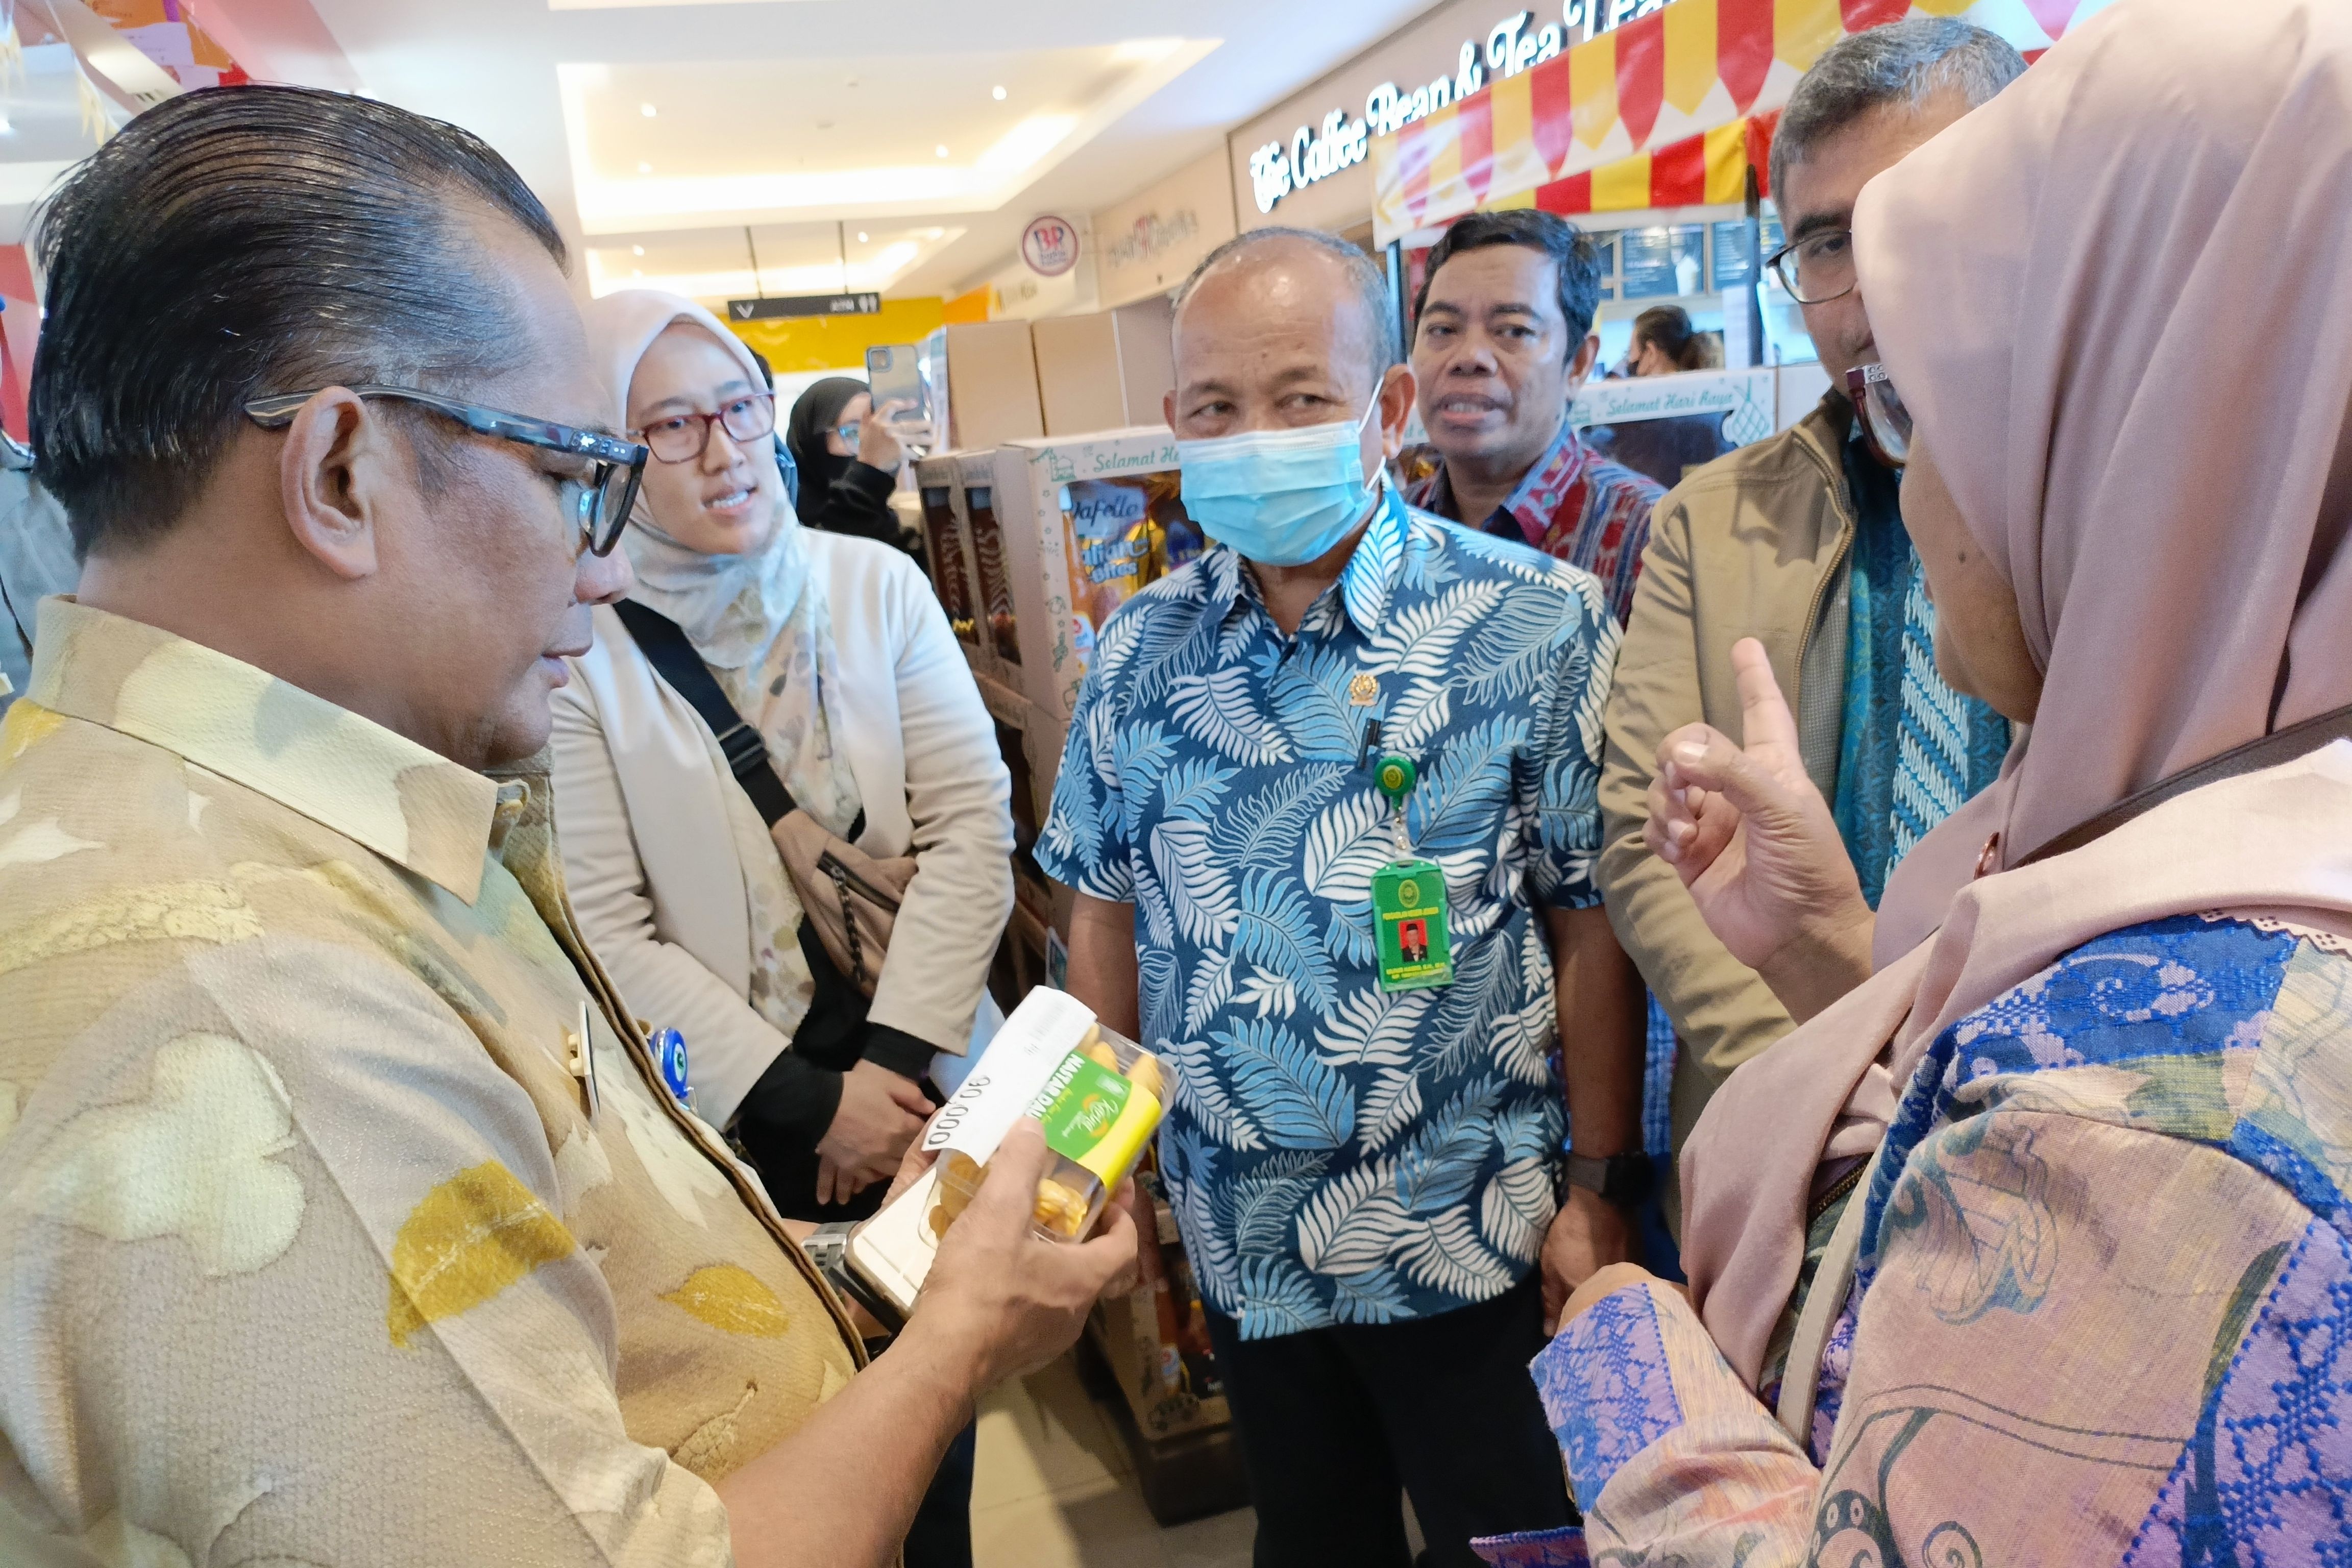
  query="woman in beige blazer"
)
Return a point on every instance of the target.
[{"x": 835, "y": 649}]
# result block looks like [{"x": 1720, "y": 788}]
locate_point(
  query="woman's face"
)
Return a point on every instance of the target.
[
  {"x": 853, "y": 412},
  {"x": 727, "y": 502},
  {"x": 1980, "y": 648}
]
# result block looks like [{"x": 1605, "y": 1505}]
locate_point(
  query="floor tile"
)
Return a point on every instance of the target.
[
  {"x": 1053, "y": 1488},
  {"x": 1042, "y": 1436},
  {"x": 1220, "y": 1541},
  {"x": 1030, "y": 1533},
  {"x": 1105, "y": 1526}
]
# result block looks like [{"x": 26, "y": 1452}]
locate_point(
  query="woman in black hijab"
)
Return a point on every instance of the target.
[{"x": 845, "y": 490}]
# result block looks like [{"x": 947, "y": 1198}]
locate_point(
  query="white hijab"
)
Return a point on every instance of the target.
[{"x": 760, "y": 620}]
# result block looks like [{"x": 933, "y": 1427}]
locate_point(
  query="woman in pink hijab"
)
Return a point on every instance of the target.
[{"x": 2091, "y": 1300}]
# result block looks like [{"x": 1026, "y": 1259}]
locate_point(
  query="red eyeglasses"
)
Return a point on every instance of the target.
[{"x": 681, "y": 437}]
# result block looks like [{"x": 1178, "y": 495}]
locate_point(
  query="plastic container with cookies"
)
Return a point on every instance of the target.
[
  {"x": 1099, "y": 1109},
  {"x": 1099, "y": 1098}
]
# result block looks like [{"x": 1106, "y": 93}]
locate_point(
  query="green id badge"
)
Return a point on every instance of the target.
[{"x": 1409, "y": 918}]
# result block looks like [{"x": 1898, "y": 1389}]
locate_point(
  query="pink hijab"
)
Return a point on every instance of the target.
[{"x": 2115, "y": 299}]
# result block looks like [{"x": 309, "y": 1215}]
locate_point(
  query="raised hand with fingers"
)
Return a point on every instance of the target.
[
  {"x": 1755, "y": 843},
  {"x": 884, "y": 435}
]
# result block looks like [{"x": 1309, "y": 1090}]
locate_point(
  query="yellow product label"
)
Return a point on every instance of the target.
[{"x": 1115, "y": 1153}]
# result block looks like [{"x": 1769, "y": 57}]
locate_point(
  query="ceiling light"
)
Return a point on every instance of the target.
[
  {"x": 645, "y": 168},
  {"x": 648, "y": 110},
  {"x": 997, "y": 93},
  {"x": 941, "y": 149},
  {"x": 636, "y": 272},
  {"x": 5, "y": 127},
  {"x": 894, "y": 256},
  {"x": 636, "y": 250},
  {"x": 861, "y": 236}
]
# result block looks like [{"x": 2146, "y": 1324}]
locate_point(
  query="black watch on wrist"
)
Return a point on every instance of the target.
[{"x": 1624, "y": 1180}]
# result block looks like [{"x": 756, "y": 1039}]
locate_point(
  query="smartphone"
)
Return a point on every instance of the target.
[{"x": 892, "y": 374}]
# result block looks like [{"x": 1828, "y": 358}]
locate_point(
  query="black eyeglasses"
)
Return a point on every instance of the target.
[
  {"x": 682, "y": 438},
  {"x": 1816, "y": 269},
  {"x": 600, "y": 503}
]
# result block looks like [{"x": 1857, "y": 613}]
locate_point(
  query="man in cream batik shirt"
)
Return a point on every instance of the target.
[{"x": 342, "y": 1215}]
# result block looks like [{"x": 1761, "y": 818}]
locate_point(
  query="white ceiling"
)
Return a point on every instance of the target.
[
  {"x": 757, "y": 123},
  {"x": 853, "y": 256}
]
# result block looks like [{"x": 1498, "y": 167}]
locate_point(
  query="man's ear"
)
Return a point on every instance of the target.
[
  {"x": 332, "y": 478},
  {"x": 1397, "y": 395},
  {"x": 1580, "y": 366},
  {"x": 1168, "y": 408}
]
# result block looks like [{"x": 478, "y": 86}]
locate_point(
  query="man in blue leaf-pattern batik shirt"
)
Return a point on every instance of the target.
[{"x": 1370, "y": 1180}]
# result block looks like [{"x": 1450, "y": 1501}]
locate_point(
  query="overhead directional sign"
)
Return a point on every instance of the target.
[{"x": 777, "y": 305}]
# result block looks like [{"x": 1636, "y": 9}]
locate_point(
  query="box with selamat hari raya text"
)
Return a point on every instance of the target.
[{"x": 1087, "y": 522}]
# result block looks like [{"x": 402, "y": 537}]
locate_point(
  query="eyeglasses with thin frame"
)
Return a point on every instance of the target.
[
  {"x": 849, "y": 433},
  {"x": 1816, "y": 269},
  {"x": 598, "y": 504},
  {"x": 683, "y": 437},
  {"x": 1884, "y": 418}
]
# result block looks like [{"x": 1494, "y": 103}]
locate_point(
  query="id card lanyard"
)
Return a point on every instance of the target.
[{"x": 1408, "y": 897}]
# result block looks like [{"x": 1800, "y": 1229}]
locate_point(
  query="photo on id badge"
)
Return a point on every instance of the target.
[
  {"x": 1409, "y": 910},
  {"x": 1408, "y": 893}
]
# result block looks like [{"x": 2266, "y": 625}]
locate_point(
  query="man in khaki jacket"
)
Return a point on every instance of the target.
[{"x": 1764, "y": 543}]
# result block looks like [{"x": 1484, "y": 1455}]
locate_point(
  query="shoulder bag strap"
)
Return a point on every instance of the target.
[
  {"x": 1800, "y": 1375},
  {"x": 674, "y": 660},
  {"x": 2268, "y": 752}
]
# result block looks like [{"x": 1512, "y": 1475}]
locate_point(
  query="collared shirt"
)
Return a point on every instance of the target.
[
  {"x": 1574, "y": 505},
  {"x": 1336, "y": 1153},
  {"x": 313, "y": 1243}
]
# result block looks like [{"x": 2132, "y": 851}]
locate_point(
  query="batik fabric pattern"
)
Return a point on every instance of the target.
[
  {"x": 1912, "y": 749},
  {"x": 1575, "y": 506},
  {"x": 311, "y": 1248},
  {"x": 1336, "y": 1153},
  {"x": 2102, "y": 1313}
]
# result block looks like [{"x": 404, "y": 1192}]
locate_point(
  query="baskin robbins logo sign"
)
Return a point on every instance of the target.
[
  {"x": 1512, "y": 45},
  {"x": 1050, "y": 246}
]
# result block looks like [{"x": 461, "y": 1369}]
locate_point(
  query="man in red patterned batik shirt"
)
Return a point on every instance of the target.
[{"x": 1504, "y": 338}]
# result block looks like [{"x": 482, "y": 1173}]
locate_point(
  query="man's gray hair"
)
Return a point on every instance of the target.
[
  {"x": 1902, "y": 64},
  {"x": 1370, "y": 278}
]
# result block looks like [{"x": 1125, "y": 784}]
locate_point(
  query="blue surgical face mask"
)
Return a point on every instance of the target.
[{"x": 1282, "y": 497}]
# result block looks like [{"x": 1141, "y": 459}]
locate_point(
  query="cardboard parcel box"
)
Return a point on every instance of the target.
[{"x": 1087, "y": 523}]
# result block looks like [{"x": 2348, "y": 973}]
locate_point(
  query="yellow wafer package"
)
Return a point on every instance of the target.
[
  {"x": 1099, "y": 1107},
  {"x": 1098, "y": 1098}
]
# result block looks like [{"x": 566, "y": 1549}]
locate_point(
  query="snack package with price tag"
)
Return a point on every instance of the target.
[{"x": 1099, "y": 1096}]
